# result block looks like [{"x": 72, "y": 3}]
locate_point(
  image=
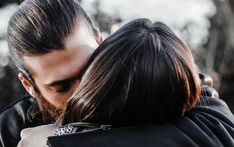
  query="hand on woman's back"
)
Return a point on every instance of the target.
[{"x": 37, "y": 136}]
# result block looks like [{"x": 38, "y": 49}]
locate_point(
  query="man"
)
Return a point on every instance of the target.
[{"x": 49, "y": 41}]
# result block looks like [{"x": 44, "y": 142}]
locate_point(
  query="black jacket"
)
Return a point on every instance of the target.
[
  {"x": 210, "y": 124},
  {"x": 23, "y": 114}
]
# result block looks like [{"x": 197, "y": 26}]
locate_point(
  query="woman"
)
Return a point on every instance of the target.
[
  {"x": 142, "y": 77},
  {"x": 142, "y": 73}
]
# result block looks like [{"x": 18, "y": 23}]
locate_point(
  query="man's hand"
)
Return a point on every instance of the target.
[
  {"x": 206, "y": 79},
  {"x": 207, "y": 86},
  {"x": 36, "y": 137}
]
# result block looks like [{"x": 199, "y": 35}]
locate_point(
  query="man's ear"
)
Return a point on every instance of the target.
[
  {"x": 99, "y": 36},
  {"x": 27, "y": 85}
]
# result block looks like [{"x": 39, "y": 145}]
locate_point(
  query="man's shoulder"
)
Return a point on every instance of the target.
[
  {"x": 20, "y": 106},
  {"x": 19, "y": 111},
  {"x": 14, "y": 118}
]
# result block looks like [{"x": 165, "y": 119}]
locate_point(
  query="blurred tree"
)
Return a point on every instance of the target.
[
  {"x": 219, "y": 56},
  {"x": 102, "y": 19},
  {"x": 10, "y": 87}
]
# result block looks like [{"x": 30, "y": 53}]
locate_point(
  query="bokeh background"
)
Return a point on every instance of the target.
[{"x": 207, "y": 26}]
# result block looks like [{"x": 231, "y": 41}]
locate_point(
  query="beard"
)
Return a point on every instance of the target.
[{"x": 49, "y": 111}]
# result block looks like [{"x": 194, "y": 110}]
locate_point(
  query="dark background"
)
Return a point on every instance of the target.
[{"x": 216, "y": 57}]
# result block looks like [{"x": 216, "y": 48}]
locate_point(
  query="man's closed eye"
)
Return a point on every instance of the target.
[{"x": 63, "y": 88}]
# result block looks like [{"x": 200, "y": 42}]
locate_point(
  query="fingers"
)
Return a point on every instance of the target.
[{"x": 206, "y": 79}]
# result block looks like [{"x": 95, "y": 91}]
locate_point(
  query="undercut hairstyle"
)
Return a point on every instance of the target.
[
  {"x": 41, "y": 26},
  {"x": 143, "y": 73}
]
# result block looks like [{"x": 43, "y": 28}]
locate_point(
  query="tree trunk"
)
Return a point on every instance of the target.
[{"x": 220, "y": 49}]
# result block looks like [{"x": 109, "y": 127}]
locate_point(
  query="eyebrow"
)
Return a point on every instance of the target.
[
  {"x": 78, "y": 75},
  {"x": 61, "y": 82}
]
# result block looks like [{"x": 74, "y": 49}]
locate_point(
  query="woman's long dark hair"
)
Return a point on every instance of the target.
[{"x": 142, "y": 73}]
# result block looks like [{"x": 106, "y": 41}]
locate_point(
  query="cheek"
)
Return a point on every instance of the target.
[{"x": 54, "y": 98}]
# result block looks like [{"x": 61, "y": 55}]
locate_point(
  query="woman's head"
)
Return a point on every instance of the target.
[{"x": 142, "y": 73}]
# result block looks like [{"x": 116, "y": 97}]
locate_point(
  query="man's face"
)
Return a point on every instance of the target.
[{"x": 57, "y": 74}]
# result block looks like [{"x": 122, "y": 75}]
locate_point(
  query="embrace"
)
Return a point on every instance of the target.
[{"x": 138, "y": 87}]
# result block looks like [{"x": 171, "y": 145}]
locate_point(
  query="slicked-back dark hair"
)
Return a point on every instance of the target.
[
  {"x": 143, "y": 73},
  {"x": 41, "y": 26}
]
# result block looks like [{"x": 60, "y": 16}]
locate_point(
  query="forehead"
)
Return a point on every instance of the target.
[
  {"x": 58, "y": 64},
  {"x": 64, "y": 63}
]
